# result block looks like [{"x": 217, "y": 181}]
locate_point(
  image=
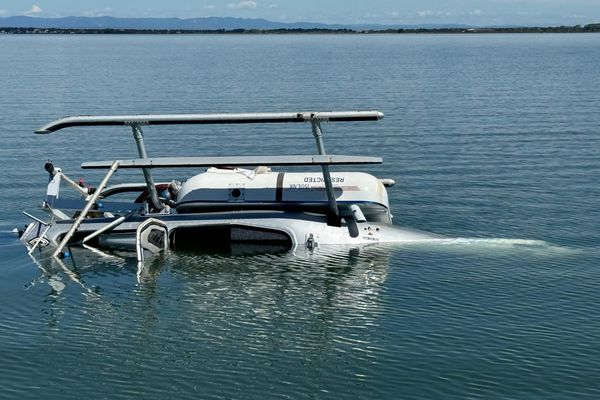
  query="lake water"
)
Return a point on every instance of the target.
[{"x": 493, "y": 140}]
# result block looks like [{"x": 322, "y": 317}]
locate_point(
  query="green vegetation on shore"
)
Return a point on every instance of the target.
[{"x": 549, "y": 29}]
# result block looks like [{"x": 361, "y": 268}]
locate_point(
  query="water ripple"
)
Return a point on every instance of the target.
[{"x": 491, "y": 138}]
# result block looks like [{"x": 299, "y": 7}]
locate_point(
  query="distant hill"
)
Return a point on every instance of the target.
[{"x": 208, "y": 23}]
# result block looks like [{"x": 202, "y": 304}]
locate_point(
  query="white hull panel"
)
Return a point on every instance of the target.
[
  {"x": 299, "y": 227},
  {"x": 240, "y": 187}
]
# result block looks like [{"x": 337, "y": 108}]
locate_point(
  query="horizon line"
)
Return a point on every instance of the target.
[{"x": 353, "y": 24}]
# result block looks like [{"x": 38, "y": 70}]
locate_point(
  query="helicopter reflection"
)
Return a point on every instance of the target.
[
  {"x": 366, "y": 263},
  {"x": 336, "y": 277}
]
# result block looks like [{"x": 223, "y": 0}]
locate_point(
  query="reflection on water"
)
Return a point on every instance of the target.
[
  {"x": 268, "y": 317},
  {"x": 339, "y": 319},
  {"x": 333, "y": 278}
]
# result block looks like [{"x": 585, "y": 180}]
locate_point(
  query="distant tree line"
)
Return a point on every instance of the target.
[{"x": 549, "y": 29}]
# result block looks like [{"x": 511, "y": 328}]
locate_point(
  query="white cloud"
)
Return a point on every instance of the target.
[
  {"x": 271, "y": 6},
  {"x": 210, "y": 7},
  {"x": 476, "y": 12},
  {"x": 97, "y": 12},
  {"x": 35, "y": 9},
  {"x": 433, "y": 13},
  {"x": 243, "y": 5},
  {"x": 2, "y": 12}
]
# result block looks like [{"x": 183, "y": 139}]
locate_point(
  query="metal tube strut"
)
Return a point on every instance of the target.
[
  {"x": 86, "y": 209},
  {"x": 138, "y": 135},
  {"x": 35, "y": 218},
  {"x": 39, "y": 239},
  {"x": 110, "y": 226},
  {"x": 334, "y": 213}
]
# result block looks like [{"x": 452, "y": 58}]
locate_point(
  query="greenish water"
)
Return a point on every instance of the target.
[{"x": 493, "y": 141}]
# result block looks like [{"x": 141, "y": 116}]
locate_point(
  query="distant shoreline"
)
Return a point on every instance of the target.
[{"x": 590, "y": 28}]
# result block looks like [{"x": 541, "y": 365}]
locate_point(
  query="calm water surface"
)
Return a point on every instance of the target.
[{"x": 493, "y": 140}]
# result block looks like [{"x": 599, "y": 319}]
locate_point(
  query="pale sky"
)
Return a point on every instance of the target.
[{"x": 473, "y": 12}]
